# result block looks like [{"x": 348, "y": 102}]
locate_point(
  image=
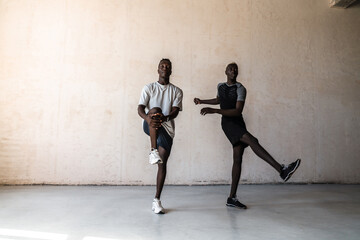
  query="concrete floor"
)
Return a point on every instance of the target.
[{"x": 193, "y": 212}]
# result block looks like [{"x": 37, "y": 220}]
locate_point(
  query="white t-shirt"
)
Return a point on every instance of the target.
[{"x": 164, "y": 97}]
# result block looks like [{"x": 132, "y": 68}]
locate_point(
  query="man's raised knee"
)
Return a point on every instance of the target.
[{"x": 155, "y": 110}]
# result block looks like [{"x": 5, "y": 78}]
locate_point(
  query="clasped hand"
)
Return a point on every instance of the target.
[
  {"x": 155, "y": 120},
  {"x": 207, "y": 110}
]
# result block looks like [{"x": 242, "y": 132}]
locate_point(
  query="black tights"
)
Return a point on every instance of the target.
[
  {"x": 260, "y": 151},
  {"x": 238, "y": 152},
  {"x": 236, "y": 168}
]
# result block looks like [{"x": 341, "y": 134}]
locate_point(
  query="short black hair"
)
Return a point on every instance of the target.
[
  {"x": 232, "y": 64},
  {"x": 165, "y": 60}
]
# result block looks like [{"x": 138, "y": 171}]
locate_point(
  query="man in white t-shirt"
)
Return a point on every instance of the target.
[{"x": 160, "y": 102}]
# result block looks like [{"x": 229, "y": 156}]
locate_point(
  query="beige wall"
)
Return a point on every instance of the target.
[{"x": 71, "y": 73}]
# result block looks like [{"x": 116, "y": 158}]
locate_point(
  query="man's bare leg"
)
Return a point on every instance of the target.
[
  {"x": 161, "y": 174},
  {"x": 160, "y": 179},
  {"x": 152, "y": 130}
]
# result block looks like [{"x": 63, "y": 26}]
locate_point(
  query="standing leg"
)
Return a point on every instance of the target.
[
  {"x": 260, "y": 151},
  {"x": 238, "y": 152},
  {"x": 160, "y": 179},
  {"x": 232, "y": 200},
  {"x": 161, "y": 174}
]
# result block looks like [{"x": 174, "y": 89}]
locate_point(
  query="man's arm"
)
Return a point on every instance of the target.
[
  {"x": 226, "y": 112},
  {"x": 141, "y": 112},
  {"x": 213, "y": 101},
  {"x": 173, "y": 114}
]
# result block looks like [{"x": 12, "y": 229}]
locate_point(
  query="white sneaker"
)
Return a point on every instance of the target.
[
  {"x": 156, "y": 207},
  {"x": 154, "y": 157}
]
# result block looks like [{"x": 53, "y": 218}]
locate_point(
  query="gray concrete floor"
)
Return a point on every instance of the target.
[{"x": 193, "y": 212}]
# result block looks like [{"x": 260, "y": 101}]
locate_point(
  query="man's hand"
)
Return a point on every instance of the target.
[
  {"x": 155, "y": 120},
  {"x": 197, "y": 101},
  {"x": 207, "y": 110}
]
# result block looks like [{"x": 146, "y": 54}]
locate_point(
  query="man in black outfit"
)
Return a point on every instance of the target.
[{"x": 231, "y": 97}]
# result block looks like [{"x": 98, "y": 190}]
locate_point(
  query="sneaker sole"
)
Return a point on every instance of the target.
[
  {"x": 161, "y": 212},
  {"x": 158, "y": 162},
  {"x": 232, "y": 205},
  {"x": 291, "y": 173}
]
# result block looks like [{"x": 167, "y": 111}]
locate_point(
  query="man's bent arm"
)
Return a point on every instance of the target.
[
  {"x": 232, "y": 112},
  {"x": 173, "y": 114},
  {"x": 213, "y": 101},
  {"x": 141, "y": 112},
  {"x": 226, "y": 112}
]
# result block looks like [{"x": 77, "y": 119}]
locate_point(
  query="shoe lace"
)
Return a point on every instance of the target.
[
  {"x": 158, "y": 203},
  {"x": 285, "y": 167},
  {"x": 235, "y": 198},
  {"x": 289, "y": 166}
]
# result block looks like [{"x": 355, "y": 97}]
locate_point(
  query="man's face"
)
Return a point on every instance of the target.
[
  {"x": 164, "y": 69},
  {"x": 231, "y": 71}
]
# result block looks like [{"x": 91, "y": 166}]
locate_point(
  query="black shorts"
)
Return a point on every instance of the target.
[
  {"x": 164, "y": 140},
  {"x": 234, "y": 128}
]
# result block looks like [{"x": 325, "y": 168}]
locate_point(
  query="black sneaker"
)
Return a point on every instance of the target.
[
  {"x": 234, "y": 202},
  {"x": 288, "y": 170}
]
